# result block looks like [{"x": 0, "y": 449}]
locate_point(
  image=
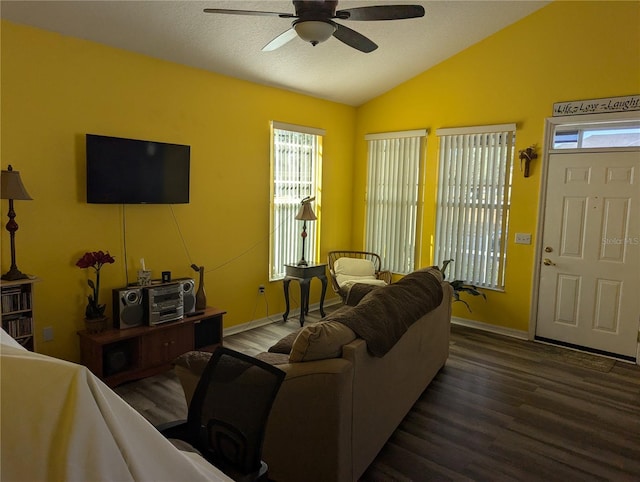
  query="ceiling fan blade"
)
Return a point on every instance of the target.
[
  {"x": 249, "y": 12},
  {"x": 354, "y": 39},
  {"x": 280, "y": 40},
  {"x": 382, "y": 12}
]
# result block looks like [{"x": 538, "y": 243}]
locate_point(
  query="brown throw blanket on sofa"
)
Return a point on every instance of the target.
[
  {"x": 358, "y": 291},
  {"x": 383, "y": 315}
]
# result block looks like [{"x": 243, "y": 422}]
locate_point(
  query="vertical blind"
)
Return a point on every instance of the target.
[
  {"x": 392, "y": 197},
  {"x": 474, "y": 190},
  {"x": 295, "y": 166}
]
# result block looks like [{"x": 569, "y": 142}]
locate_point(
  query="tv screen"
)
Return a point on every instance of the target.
[{"x": 129, "y": 171}]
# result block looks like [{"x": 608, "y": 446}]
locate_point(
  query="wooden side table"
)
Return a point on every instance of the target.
[
  {"x": 118, "y": 356},
  {"x": 304, "y": 275}
]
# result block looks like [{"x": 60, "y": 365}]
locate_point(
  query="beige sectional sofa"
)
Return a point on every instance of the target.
[{"x": 340, "y": 403}]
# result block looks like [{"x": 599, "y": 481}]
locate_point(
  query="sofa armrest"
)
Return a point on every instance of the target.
[
  {"x": 384, "y": 389},
  {"x": 308, "y": 434}
]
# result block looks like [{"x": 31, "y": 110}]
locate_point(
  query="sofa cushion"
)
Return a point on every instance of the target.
[
  {"x": 285, "y": 344},
  {"x": 273, "y": 358},
  {"x": 319, "y": 341},
  {"x": 194, "y": 361}
]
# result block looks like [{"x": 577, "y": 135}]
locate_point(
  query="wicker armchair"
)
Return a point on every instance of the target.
[{"x": 334, "y": 256}]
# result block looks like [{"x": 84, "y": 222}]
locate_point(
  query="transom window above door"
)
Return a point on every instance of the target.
[{"x": 603, "y": 135}]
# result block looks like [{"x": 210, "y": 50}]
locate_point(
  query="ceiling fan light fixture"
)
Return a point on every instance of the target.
[{"x": 314, "y": 31}]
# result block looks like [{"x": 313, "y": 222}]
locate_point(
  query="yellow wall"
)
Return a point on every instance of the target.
[
  {"x": 56, "y": 88},
  {"x": 565, "y": 51}
]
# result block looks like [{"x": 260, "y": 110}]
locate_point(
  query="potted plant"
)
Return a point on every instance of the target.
[
  {"x": 95, "y": 320},
  {"x": 460, "y": 286}
]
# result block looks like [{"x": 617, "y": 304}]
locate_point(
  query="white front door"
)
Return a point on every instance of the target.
[{"x": 589, "y": 293}]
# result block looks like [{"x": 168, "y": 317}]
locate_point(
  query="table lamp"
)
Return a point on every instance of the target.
[
  {"x": 305, "y": 214},
  {"x": 11, "y": 188}
]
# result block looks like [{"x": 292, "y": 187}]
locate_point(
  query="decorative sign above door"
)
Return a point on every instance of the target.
[{"x": 597, "y": 106}]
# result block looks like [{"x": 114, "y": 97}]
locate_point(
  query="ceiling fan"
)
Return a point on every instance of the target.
[{"x": 314, "y": 21}]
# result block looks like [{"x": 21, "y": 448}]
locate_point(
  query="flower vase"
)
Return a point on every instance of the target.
[
  {"x": 96, "y": 325},
  {"x": 201, "y": 296}
]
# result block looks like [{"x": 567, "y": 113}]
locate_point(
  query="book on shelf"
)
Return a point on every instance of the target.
[
  {"x": 15, "y": 300},
  {"x": 18, "y": 326},
  {"x": 16, "y": 318}
]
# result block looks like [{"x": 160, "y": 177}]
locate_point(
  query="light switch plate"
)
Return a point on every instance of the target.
[
  {"x": 523, "y": 238},
  {"x": 47, "y": 333}
]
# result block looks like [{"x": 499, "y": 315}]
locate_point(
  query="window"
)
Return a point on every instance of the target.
[
  {"x": 474, "y": 189},
  {"x": 295, "y": 168},
  {"x": 392, "y": 197}
]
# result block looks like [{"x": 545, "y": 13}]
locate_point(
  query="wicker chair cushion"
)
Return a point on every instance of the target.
[
  {"x": 366, "y": 281},
  {"x": 353, "y": 270}
]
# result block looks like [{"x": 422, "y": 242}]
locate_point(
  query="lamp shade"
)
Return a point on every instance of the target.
[
  {"x": 305, "y": 213},
  {"x": 314, "y": 31},
  {"x": 11, "y": 186}
]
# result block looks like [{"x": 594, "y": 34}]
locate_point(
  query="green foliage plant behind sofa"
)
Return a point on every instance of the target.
[{"x": 459, "y": 286}]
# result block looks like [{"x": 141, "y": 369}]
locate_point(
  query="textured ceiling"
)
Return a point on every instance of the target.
[{"x": 180, "y": 32}]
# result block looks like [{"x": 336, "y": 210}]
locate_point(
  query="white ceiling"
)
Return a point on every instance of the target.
[{"x": 179, "y": 31}]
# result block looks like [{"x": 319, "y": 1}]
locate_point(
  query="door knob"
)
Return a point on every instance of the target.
[{"x": 548, "y": 262}]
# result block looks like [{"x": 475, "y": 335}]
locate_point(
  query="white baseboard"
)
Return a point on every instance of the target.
[
  {"x": 295, "y": 313},
  {"x": 276, "y": 317},
  {"x": 500, "y": 330}
]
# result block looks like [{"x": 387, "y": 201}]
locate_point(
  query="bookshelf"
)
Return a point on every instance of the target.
[{"x": 17, "y": 310}]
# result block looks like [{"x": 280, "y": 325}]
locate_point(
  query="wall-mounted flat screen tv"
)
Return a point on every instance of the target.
[{"x": 130, "y": 171}]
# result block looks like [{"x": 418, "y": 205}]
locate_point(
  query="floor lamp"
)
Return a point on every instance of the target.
[
  {"x": 11, "y": 188},
  {"x": 305, "y": 214}
]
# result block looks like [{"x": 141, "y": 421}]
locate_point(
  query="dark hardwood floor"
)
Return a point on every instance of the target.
[
  {"x": 501, "y": 409},
  {"x": 506, "y": 409}
]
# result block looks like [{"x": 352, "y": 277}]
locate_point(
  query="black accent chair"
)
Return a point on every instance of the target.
[{"x": 228, "y": 414}]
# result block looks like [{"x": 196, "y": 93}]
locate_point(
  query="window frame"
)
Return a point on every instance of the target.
[
  {"x": 393, "y": 208},
  {"x": 289, "y": 228},
  {"x": 482, "y": 249}
]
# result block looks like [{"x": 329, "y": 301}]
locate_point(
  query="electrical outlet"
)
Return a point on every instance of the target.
[
  {"x": 47, "y": 333},
  {"x": 261, "y": 289},
  {"x": 523, "y": 238}
]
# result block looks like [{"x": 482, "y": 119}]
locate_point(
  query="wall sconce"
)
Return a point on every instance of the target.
[
  {"x": 305, "y": 214},
  {"x": 11, "y": 188},
  {"x": 526, "y": 156}
]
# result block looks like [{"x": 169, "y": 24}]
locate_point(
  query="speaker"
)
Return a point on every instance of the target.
[
  {"x": 117, "y": 357},
  {"x": 188, "y": 286},
  {"x": 128, "y": 310}
]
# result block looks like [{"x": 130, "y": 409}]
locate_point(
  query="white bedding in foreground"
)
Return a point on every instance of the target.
[{"x": 61, "y": 423}]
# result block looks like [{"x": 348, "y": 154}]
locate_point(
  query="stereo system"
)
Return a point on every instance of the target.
[
  {"x": 151, "y": 305},
  {"x": 188, "y": 286},
  {"x": 163, "y": 303},
  {"x": 128, "y": 310}
]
